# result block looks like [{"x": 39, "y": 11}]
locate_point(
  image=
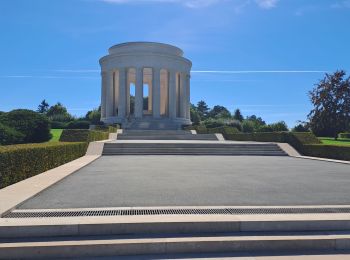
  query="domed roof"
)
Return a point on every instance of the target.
[{"x": 145, "y": 47}]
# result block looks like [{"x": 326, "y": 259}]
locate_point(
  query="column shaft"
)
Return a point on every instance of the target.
[
  {"x": 172, "y": 94},
  {"x": 183, "y": 98},
  {"x": 122, "y": 93},
  {"x": 139, "y": 93},
  {"x": 109, "y": 94},
  {"x": 188, "y": 93},
  {"x": 103, "y": 94},
  {"x": 156, "y": 92}
]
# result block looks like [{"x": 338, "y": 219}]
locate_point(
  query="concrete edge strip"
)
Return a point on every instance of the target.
[
  {"x": 19, "y": 192},
  {"x": 220, "y": 137},
  {"x": 288, "y": 149},
  {"x": 322, "y": 159},
  {"x": 182, "y": 207}
]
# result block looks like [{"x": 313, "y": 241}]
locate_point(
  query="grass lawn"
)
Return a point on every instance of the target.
[
  {"x": 340, "y": 141},
  {"x": 56, "y": 133}
]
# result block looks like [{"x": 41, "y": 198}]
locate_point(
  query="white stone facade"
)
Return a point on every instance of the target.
[{"x": 145, "y": 69}]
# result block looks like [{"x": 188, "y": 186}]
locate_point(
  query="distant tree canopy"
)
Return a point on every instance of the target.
[
  {"x": 219, "y": 116},
  {"x": 43, "y": 107},
  {"x": 238, "y": 115},
  {"x": 202, "y": 109},
  {"x": 331, "y": 105}
]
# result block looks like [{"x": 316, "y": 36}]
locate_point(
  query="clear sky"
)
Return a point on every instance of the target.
[{"x": 261, "y": 56}]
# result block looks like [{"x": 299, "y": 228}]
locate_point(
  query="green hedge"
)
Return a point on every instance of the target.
[
  {"x": 279, "y": 137},
  {"x": 327, "y": 151},
  {"x": 306, "y": 143},
  {"x": 344, "y": 135},
  {"x": 110, "y": 129},
  {"x": 19, "y": 162},
  {"x": 224, "y": 130},
  {"x": 82, "y": 135}
]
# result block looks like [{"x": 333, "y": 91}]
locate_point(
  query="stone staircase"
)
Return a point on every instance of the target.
[
  {"x": 150, "y": 123},
  {"x": 172, "y": 235},
  {"x": 199, "y": 148},
  {"x": 163, "y": 135}
]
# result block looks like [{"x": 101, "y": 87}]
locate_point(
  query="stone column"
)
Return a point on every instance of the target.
[
  {"x": 156, "y": 92},
  {"x": 183, "y": 98},
  {"x": 139, "y": 93},
  {"x": 103, "y": 94},
  {"x": 109, "y": 95},
  {"x": 172, "y": 94},
  {"x": 122, "y": 93},
  {"x": 188, "y": 93}
]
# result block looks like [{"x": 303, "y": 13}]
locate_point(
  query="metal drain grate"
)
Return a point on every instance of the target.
[{"x": 177, "y": 211}]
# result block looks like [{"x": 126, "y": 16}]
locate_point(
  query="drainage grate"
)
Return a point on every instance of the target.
[{"x": 177, "y": 211}]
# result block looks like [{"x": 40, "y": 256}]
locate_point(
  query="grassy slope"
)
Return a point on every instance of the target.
[
  {"x": 329, "y": 140},
  {"x": 56, "y": 133}
]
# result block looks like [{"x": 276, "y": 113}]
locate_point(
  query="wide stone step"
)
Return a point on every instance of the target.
[
  {"x": 168, "y": 137},
  {"x": 169, "y": 244},
  {"x": 192, "y": 149},
  {"x": 170, "y": 224},
  {"x": 156, "y": 132},
  {"x": 192, "y": 145}
]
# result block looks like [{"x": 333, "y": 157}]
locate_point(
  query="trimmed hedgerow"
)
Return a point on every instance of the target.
[
  {"x": 224, "y": 130},
  {"x": 19, "y": 162},
  {"x": 82, "y": 135},
  {"x": 105, "y": 128},
  {"x": 306, "y": 143},
  {"x": 327, "y": 151},
  {"x": 344, "y": 135}
]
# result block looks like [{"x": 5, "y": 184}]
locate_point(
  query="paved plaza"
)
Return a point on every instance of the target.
[{"x": 125, "y": 181}]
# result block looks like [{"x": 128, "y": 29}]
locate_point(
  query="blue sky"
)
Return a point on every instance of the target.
[{"x": 261, "y": 56}]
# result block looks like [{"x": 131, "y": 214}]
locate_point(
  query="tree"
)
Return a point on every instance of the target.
[
  {"x": 195, "y": 117},
  {"x": 202, "y": 109},
  {"x": 238, "y": 115},
  {"x": 43, "y": 107},
  {"x": 331, "y": 105},
  {"x": 280, "y": 126},
  {"x": 219, "y": 112},
  {"x": 248, "y": 126},
  {"x": 57, "y": 109},
  {"x": 301, "y": 127},
  {"x": 58, "y": 112},
  {"x": 257, "y": 120},
  {"x": 94, "y": 116},
  {"x": 34, "y": 126}
]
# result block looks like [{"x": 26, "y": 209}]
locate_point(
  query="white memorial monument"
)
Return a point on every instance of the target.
[{"x": 145, "y": 85}]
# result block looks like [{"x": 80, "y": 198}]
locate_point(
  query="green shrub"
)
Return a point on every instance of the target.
[
  {"x": 344, "y": 135},
  {"x": 82, "y": 135},
  {"x": 248, "y": 126},
  {"x": 201, "y": 129},
  {"x": 9, "y": 135},
  {"x": 188, "y": 127},
  {"x": 58, "y": 125},
  {"x": 105, "y": 128},
  {"x": 78, "y": 124},
  {"x": 35, "y": 127},
  {"x": 327, "y": 151},
  {"x": 213, "y": 123},
  {"x": 264, "y": 129},
  {"x": 19, "y": 162},
  {"x": 224, "y": 130}
]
